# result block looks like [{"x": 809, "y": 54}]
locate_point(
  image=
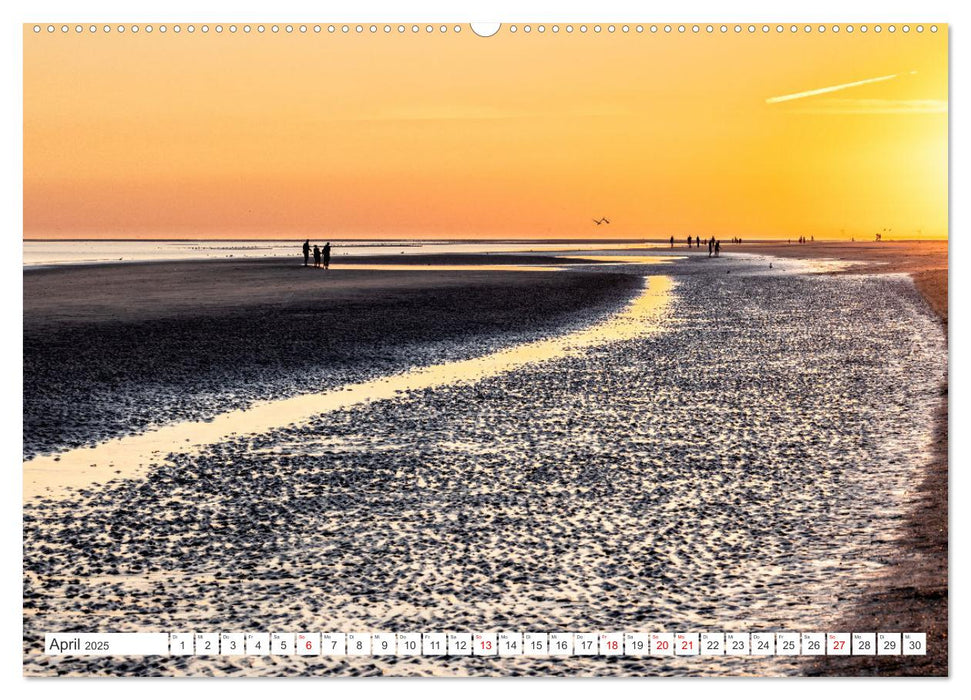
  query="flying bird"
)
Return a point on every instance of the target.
[{"x": 601, "y": 220}]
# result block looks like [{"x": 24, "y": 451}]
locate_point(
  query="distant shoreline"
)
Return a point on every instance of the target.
[
  {"x": 888, "y": 256},
  {"x": 753, "y": 241}
]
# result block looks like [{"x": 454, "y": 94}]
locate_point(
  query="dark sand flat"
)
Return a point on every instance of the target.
[
  {"x": 146, "y": 290},
  {"x": 112, "y": 349}
]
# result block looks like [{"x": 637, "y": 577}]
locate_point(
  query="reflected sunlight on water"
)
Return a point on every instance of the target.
[{"x": 126, "y": 456}]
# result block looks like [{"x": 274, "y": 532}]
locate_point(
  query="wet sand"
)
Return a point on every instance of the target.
[
  {"x": 913, "y": 593},
  {"x": 925, "y": 261},
  {"x": 433, "y": 510},
  {"x": 115, "y": 349},
  {"x": 128, "y": 456}
]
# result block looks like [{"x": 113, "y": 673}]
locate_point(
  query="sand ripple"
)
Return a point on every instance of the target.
[{"x": 743, "y": 469}]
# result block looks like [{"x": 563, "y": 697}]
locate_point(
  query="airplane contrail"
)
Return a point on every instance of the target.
[{"x": 834, "y": 88}]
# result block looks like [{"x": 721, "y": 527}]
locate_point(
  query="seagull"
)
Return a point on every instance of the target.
[{"x": 602, "y": 220}]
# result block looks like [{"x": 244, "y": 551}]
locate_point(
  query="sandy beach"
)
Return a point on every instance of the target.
[
  {"x": 925, "y": 261},
  {"x": 913, "y": 592},
  {"x": 754, "y": 449},
  {"x": 110, "y": 349}
]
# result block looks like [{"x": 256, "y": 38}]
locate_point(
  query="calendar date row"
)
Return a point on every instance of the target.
[{"x": 752, "y": 644}]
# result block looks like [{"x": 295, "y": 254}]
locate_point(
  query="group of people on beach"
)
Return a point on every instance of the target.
[
  {"x": 802, "y": 239},
  {"x": 321, "y": 255},
  {"x": 714, "y": 245}
]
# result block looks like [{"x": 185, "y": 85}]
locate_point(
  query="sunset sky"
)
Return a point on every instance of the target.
[{"x": 456, "y": 136}]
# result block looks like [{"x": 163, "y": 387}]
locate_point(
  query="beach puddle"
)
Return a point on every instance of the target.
[
  {"x": 125, "y": 457},
  {"x": 601, "y": 260},
  {"x": 419, "y": 267},
  {"x": 625, "y": 259},
  {"x": 805, "y": 266}
]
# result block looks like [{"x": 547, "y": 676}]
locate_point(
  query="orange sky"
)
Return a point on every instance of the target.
[{"x": 456, "y": 136}]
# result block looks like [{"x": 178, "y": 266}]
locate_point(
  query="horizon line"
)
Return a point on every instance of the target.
[{"x": 664, "y": 239}]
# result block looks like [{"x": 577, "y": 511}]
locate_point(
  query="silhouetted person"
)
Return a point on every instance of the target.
[
  {"x": 316, "y": 256},
  {"x": 697, "y": 241},
  {"x": 306, "y": 252},
  {"x": 710, "y": 247},
  {"x": 327, "y": 255},
  {"x": 718, "y": 247},
  {"x": 672, "y": 241}
]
